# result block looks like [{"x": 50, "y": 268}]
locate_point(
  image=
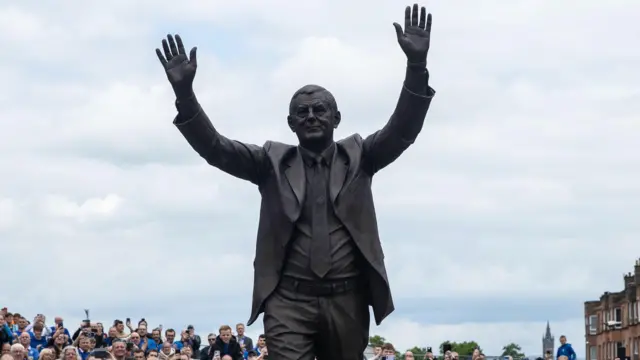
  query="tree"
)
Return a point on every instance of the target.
[
  {"x": 416, "y": 350},
  {"x": 514, "y": 350},
  {"x": 377, "y": 340},
  {"x": 464, "y": 348}
]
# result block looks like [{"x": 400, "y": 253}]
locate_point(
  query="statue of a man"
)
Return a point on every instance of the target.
[{"x": 319, "y": 263}]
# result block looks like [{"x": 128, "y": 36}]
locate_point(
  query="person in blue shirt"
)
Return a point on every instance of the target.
[{"x": 565, "y": 349}]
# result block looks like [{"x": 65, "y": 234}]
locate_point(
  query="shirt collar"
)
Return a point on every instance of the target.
[{"x": 310, "y": 157}]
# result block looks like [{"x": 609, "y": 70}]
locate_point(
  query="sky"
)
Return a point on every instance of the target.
[{"x": 515, "y": 205}]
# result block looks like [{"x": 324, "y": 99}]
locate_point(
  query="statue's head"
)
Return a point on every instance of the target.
[{"x": 313, "y": 115}]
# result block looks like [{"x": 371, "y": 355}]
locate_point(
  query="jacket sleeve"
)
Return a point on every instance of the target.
[
  {"x": 387, "y": 144},
  {"x": 8, "y": 331},
  {"x": 244, "y": 161}
]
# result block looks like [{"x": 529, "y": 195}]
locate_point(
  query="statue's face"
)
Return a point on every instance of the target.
[{"x": 312, "y": 119}]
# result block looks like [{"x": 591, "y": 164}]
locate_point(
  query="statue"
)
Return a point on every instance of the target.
[{"x": 319, "y": 262}]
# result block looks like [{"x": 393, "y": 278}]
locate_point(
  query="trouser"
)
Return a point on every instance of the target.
[{"x": 302, "y": 325}]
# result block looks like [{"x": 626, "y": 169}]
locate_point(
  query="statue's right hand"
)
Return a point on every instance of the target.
[{"x": 180, "y": 69}]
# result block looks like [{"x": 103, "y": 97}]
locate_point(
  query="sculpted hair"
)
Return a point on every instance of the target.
[{"x": 310, "y": 90}]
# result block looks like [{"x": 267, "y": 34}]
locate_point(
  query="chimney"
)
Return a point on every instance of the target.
[
  {"x": 630, "y": 279},
  {"x": 636, "y": 269}
]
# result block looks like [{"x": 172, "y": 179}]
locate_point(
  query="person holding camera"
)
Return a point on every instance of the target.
[{"x": 225, "y": 344}]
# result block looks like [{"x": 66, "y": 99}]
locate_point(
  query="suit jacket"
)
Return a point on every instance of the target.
[{"x": 278, "y": 170}]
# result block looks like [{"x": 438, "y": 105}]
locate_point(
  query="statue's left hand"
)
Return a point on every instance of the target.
[{"x": 415, "y": 38}]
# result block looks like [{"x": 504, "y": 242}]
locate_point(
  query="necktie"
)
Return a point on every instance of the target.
[{"x": 320, "y": 243}]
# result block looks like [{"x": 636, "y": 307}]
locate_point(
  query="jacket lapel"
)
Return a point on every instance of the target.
[
  {"x": 339, "y": 169},
  {"x": 295, "y": 176}
]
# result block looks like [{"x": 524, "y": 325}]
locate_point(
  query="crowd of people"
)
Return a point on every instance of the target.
[{"x": 35, "y": 339}]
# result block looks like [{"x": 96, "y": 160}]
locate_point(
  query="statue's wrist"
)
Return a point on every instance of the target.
[
  {"x": 416, "y": 65},
  {"x": 184, "y": 92}
]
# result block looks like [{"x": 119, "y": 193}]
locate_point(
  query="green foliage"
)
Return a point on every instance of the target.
[
  {"x": 464, "y": 348},
  {"x": 377, "y": 340},
  {"x": 513, "y": 350},
  {"x": 416, "y": 350}
]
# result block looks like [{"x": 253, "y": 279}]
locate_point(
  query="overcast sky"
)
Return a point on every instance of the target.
[{"x": 518, "y": 202}]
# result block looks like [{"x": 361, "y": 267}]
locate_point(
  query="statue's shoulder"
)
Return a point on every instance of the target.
[
  {"x": 276, "y": 149},
  {"x": 352, "y": 143}
]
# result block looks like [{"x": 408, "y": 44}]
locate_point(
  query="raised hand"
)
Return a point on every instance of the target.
[
  {"x": 415, "y": 38},
  {"x": 180, "y": 69}
]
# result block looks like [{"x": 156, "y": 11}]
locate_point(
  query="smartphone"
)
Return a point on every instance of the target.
[
  {"x": 505, "y": 358},
  {"x": 61, "y": 325},
  {"x": 216, "y": 354},
  {"x": 390, "y": 357},
  {"x": 128, "y": 320}
]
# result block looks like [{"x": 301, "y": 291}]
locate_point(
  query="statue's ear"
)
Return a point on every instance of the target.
[
  {"x": 291, "y": 124},
  {"x": 336, "y": 119}
]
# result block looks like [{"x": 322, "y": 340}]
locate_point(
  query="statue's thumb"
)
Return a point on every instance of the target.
[{"x": 399, "y": 31}]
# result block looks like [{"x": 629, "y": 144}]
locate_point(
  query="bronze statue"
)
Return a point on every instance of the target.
[{"x": 319, "y": 263}]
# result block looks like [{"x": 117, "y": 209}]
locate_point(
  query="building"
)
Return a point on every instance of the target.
[
  {"x": 548, "y": 341},
  {"x": 611, "y": 324}
]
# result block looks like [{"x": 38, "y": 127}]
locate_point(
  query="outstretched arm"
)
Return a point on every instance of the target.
[
  {"x": 248, "y": 162},
  {"x": 386, "y": 145},
  {"x": 244, "y": 161}
]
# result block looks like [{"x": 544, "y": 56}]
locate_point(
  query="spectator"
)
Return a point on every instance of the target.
[
  {"x": 185, "y": 340},
  {"x": 136, "y": 342},
  {"x": 46, "y": 354},
  {"x": 6, "y": 348},
  {"x": 388, "y": 350},
  {"x": 377, "y": 353},
  {"x": 57, "y": 343},
  {"x": 21, "y": 326},
  {"x": 25, "y": 340},
  {"x": 118, "y": 350},
  {"x": 156, "y": 337},
  {"x": 195, "y": 341},
  {"x": 170, "y": 336},
  {"x": 138, "y": 354},
  {"x": 38, "y": 335},
  {"x": 84, "y": 347},
  {"x": 408, "y": 355},
  {"x": 41, "y": 321},
  {"x": 261, "y": 346},
  {"x": 145, "y": 338},
  {"x": 187, "y": 350},
  {"x": 70, "y": 353},
  {"x": 565, "y": 349},
  {"x": 167, "y": 351},
  {"x": 119, "y": 327},
  {"x": 18, "y": 352},
  {"x": 11, "y": 321},
  {"x": 246, "y": 343},
  {"x": 204, "y": 353},
  {"x": 6, "y": 335},
  {"x": 429, "y": 354},
  {"x": 153, "y": 354},
  {"x": 227, "y": 344},
  {"x": 59, "y": 328}
]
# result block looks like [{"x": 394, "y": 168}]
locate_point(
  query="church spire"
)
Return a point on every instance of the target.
[{"x": 547, "y": 334}]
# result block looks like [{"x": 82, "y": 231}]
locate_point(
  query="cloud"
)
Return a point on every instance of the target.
[{"x": 525, "y": 175}]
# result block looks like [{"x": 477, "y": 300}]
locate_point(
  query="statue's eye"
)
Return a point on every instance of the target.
[
  {"x": 303, "y": 111},
  {"x": 319, "y": 109}
]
